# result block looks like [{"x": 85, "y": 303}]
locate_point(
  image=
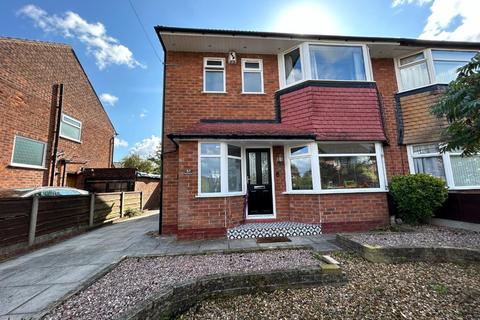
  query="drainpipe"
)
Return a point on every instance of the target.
[{"x": 57, "y": 131}]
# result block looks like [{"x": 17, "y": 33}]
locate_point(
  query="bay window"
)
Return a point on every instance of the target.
[
  {"x": 337, "y": 62},
  {"x": 431, "y": 66},
  {"x": 458, "y": 172},
  {"x": 327, "y": 167},
  {"x": 293, "y": 66},
  {"x": 220, "y": 169}
]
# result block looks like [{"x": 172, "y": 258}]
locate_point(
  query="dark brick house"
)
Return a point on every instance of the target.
[
  {"x": 271, "y": 127},
  {"x": 31, "y": 73}
]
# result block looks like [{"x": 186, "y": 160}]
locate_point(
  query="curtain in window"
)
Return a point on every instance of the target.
[
  {"x": 414, "y": 76},
  {"x": 466, "y": 170},
  {"x": 430, "y": 165}
]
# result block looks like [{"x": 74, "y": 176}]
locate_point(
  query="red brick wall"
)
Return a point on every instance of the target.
[
  {"x": 28, "y": 70},
  {"x": 151, "y": 192}
]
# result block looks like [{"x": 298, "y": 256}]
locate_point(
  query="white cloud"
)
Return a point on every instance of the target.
[
  {"x": 120, "y": 143},
  {"x": 146, "y": 147},
  {"x": 143, "y": 114},
  {"x": 455, "y": 20},
  {"x": 106, "y": 49},
  {"x": 396, "y": 3},
  {"x": 108, "y": 99}
]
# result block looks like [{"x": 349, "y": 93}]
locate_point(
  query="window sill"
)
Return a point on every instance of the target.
[
  {"x": 335, "y": 191},
  {"x": 253, "y": 93},
  {"x": 214, "y": 92},
  {"x": 219, "y": 195},
  {"x": 71, "y": 139},
  {"x": 422, "y": 87},
  {"x": 339, "y": 82},
  {"x": 26, "y": 166},
  {"x": 464, "y": 188}
]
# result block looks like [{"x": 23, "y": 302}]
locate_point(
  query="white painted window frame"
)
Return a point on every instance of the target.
[
  {"x": 64, "y": 116},
  {"x": 317, "y": 189},
  {"x": 29, "y": 166},
  {"x": 251, "y": 70},
  {"x": 214, "y": 68},
  {"x": 447, "y": 166},
  {"x": 223, "y": 170},
  {"x": 427, "y": 53},
  {"x": 306, "y": 67}
]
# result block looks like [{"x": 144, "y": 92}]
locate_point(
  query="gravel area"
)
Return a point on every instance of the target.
[
  {"x": 374, "y": 291},
  {"x": 136, "y": 279},
  {"x": 422, "y": 236}
]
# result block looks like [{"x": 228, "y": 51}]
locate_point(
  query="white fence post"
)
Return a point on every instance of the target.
[
  {"x": 92, "y": 209},
  {"x": 122, "y": 204},
  {"x": 33, "y": 221}
]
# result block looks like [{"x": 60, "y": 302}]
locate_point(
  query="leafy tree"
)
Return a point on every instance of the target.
[
  {"x": 156, "y": 158},
  {"x": 135, "y": 161},
  {"x": 460, "y": 105}
]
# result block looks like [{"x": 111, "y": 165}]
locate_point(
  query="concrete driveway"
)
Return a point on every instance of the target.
[{"x": 32, "y": 283}]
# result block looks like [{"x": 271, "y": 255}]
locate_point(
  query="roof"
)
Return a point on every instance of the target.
[
  {"x": 295, "y": 36},
  {"x": 244, "y": 131}
]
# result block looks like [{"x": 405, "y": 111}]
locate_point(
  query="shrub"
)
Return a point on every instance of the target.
[
  {"x": 131, "y": 212},
  {"x": 417, "y": 196}
]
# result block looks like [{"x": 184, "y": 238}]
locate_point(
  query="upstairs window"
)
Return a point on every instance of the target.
[
  {"x": 413, "y": 71},
  {"x": 447, "y": 62},
  {"x": 70, "y": 128},
  {"x": 28, "y": 153},
  {"x": 293, "y": 66},
  {"x": 252, "y": 76},
  {"x": 214, "y": 75},
  {"x": 337, "y": 62}
]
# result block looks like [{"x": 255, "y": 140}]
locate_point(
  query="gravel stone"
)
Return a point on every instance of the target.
[
  {"x": 374, "y": 291},
  {"x": 422, "y": 236},
  {"x": 136, "y": 279}
]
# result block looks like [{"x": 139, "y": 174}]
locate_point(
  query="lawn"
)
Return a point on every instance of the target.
[{"x": 374, "y": 291}]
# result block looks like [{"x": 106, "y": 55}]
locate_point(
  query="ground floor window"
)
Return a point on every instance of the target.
[
  {"x": 28, "y": 153},
  {"x": 458, "y": 172},
  {"x": 335, "y": 167},
  {"x": 220, "y": 168}
]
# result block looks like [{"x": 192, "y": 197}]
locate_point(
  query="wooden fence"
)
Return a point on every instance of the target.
[{"x": 28, "y": 221}]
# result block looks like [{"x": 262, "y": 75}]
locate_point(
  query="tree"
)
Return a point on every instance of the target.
[
  {"x": 156, "y": 158},
  {"x": 460, "y": 105},
  {"x": 136, "y": 162}
]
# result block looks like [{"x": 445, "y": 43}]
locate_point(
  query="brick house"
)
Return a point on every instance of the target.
[
  {"x": 31, "y": 75},
  {"x": 298, "y": 129}
]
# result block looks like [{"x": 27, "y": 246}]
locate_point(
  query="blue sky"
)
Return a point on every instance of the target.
[{"x": 127, "y": 74}]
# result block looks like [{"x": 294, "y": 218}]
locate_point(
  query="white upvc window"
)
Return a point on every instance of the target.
[
  {"x": 28, "y": 153},
  {"x": 252, "y": 76},
  {"x": 335, "y": 167},
  {"x": 70, "y": 128},
  {"x": 214, "y": 75},
  {"x": 458, "y": 172},
  {"x": 327, "y": 61},
  {"x": 430, "y": 66},
  {"x": 221, "y": 168}
]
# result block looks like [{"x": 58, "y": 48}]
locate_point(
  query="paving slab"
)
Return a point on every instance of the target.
[{"x": 13, "y": 297}]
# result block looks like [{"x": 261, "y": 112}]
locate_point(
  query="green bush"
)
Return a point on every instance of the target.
[
  {"x": 131, "y": 212},
  {"x": 417, "y": 196}
]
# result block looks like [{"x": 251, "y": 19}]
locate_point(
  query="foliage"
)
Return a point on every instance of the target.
[
  {"x": 460, "y": 105},
  {"x": 156, "y": 158},
  {"x": 131, "y": 212},
  {"x": 417, "y": 196},
  {"x": 136, "y": 162}
]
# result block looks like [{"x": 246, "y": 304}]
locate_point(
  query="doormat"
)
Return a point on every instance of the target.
[{"x": 273, "y": 239}]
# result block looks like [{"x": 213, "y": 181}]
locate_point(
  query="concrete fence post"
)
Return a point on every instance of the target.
[
  {"x": 33, "y": 221},
  {"x": 141, "y": 200},
  {"x": 122, "y": 203},
  {"x": 92, "y": 209}
]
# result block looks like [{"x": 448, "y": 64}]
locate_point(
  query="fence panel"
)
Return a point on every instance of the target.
[
  {"x": 107, "y": 207},
  {"x": 14, "y": 220},
  {"x": 59, "y": 213}
]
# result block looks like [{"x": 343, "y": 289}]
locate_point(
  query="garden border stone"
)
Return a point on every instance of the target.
[{"x": 380, "y": 254}]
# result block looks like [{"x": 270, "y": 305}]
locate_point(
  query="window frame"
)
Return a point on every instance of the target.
[
  {"x": 29, "y": 166},
  {"x": 223, "y": 170},
  {"x": 316, "y": 182},
  {"x": 79, "y": 127},
  {"x": 260, "y": 70},
  {"x": 306, "y": 67},
  {"x": 427, "y": 53},
  {"x": 447, "y": 166},
  {"x": 222, "y": 68}
]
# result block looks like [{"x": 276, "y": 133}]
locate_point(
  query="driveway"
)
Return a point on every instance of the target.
[{"x": 31, "y": 283}]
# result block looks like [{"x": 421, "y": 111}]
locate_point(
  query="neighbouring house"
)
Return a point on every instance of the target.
[
  {"x": 52, "y": 123},
  {"x": 102, "y": 180},
  {"x": 272, "y": 127}
]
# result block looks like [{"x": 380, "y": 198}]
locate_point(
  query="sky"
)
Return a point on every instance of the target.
[{"x": 123, "y": 57}]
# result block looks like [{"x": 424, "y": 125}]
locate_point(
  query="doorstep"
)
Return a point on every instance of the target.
[{"x": 273, "y": 229}]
